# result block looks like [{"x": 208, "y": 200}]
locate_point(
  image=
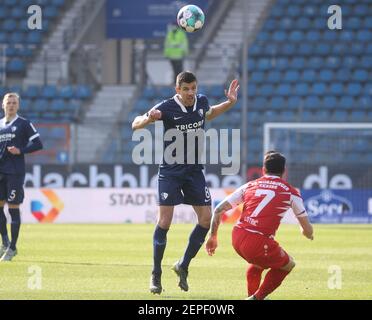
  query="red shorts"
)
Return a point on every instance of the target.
[{"x": 258, "y": 249}]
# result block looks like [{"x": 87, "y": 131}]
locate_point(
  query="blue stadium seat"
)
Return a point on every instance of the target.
[
  {"x": 17, "y": 37},
  {"x": 49, "y": 92},
  {"x": 286, "y": 24},
  {"x": 322, "y": 115},
  {"x": 305, "y": 49},
  {"x": 353, "y": 89},
  {"x": 333, "y": 62},
  {"x": 312, "y": 102},
  {"x": 357, "y": 49},
  {"x": 314, "y": 63},
  {"x": 83, "y": 92},
  {"x": 50, "y": 12},
  {"x": 252, "y": 89},
  {"x": 10, "y": 3},
  {"x": 294, "y": 11},
  {"x": 40, "y": 105},
  {"x": 364, "y": 35},
  {"x": 301, "y": 89},
  {"x": 298, "y": 63},
  {"x": 354, "y": 23},
  {"x": 257, "y": 77},
  {"x": 336, "y": 89},
  {"x": 339, "y": 116},
  {"x": 329, "y": 102},
  {"x": 366, "y": 62},
  {"x": 18, "y": 13},
  {"x": 264, "y": 64},
  {"x": 3, "y": 37},
  {"x": 296, "y": 36},
  {"x": 33, "y": 37},
  {"x": 281, "y": 63},
  {"x": 66, "y": 92},
  {"x": 3, "y": 12},
  {"x": 303, "y": 23},
  {"x": 16, "y": 65},
  {"x": 279, "y": 36},
  {"x": 58, "y": 3},
  {"x": 284, "y": 89},
  {"x": 343, "y": 75},
  {"x": 308, "y": 75},
  {"x": 291, "y": 76},
  {"x": 360, "y": 75},
  {"x": 31, "y": 92},
  {"x": 288, "y": 49},
  {"x": 9, "y": 25},
  {"x": 367, "y": 89},
  {"x": 58, "y": 105},
  {"x": 364, "y": 102},
  {"x": 277, "y": 103},
  {"x": 319, "y": 89},
  {"x": 259, "y": 103},
  {"x": 361, "y": 10},
  {"x": 326, "y": 75},
  {"x": 266, "y": 90},
  {"x": 294, "y": 103},
  {"x": 358, "y": 115},
  {"x": 312, "y": 36},
  {"x": 322, "y": 49},
  {"x": 273, "y": 76},
  {"x": 346, "y": 102}
]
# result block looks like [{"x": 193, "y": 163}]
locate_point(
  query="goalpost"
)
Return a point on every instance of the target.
[{"x": 332, "y": 165}]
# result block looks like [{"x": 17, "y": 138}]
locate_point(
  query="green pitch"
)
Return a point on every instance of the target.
[{"x": 114, "y": 262}]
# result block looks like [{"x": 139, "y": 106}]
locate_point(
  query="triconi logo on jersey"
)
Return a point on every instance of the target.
[
  {"x": 14, "y": 128},
  {"x": 201, "y": 112}
]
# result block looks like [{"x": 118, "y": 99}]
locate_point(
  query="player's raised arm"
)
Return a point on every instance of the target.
[
  {"x": 232, "y": 97},
  {"x": 149, "y": 117}
]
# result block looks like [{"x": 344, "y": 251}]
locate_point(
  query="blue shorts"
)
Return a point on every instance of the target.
[
  {"x": 11, "y": 188},
  {"x": 188, "y": 189}
]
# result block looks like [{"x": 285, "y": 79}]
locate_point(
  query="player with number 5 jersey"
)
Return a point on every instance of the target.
[
  {"x": 17, "y": 137},
  {"x": 265, "y": 202}
]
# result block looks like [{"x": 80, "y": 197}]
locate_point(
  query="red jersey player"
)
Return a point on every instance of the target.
[{"x": 265, "y": 200}]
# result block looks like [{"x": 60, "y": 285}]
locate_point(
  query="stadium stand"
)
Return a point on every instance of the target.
[{"x": 298, "y": 71}]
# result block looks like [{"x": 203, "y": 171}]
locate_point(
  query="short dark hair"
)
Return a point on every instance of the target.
[
  {"x": 185, "y": 76},
  {"x": 274, "y": 163}
]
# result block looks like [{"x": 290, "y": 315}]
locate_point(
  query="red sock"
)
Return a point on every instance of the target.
[
  {"x": 272, "y": 281},
  {"x": 253, "y": 279}
]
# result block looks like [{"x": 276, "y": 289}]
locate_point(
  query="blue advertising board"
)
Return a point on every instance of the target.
[
  {"x": 338, "y": 206},
  {"x": 143, "y": 18}
]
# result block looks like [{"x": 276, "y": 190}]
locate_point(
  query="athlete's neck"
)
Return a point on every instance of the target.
[{"x": 10, "y": 118}]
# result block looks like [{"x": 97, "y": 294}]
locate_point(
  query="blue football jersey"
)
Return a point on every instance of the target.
[
  {"x": 185, "y": 119},
  {"x": 18, "y": 133}
]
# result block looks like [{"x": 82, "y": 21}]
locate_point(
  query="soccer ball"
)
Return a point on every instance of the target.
[{"x": 190, "y": 18}]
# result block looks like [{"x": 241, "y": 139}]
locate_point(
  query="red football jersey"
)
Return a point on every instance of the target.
[{"x": 265, "y": 202}]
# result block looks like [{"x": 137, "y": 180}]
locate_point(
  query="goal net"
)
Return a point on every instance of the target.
[{"x": 330, "y": 163}]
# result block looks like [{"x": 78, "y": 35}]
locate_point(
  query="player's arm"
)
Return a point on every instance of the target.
[
  {"x": 34, "y": 142},
  {"x": 232, "y": 97},
  {"x": 227, "y": 204},
  {"x": 302, "y": 217},
  {"x": 149, "y": 117}
]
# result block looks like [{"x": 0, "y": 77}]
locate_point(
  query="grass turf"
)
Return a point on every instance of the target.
[{"x": 114, "y": 262}]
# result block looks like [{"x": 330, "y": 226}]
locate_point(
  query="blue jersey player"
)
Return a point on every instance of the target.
[
  {"x": 17, "y": 137},
  {"x": 182, "y": 182}
]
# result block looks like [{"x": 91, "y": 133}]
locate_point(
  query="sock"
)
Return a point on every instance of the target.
[
  {"x": 3, "y": 229},
  {"x": 196, "y": 240},
  {"x": 272, "y": 281},
  {"x": 159, "y": 244},
  {"x": 14, "y": 227},
  {"x": 253, "y": 279}
]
